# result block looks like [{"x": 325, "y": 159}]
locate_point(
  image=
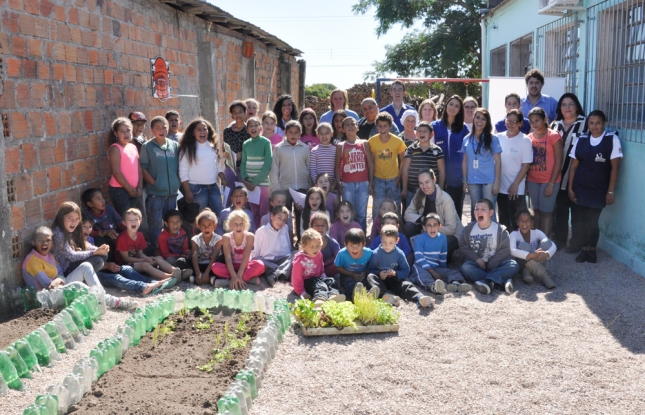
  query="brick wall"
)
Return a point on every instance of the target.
[{"x": 70, "y": 68}]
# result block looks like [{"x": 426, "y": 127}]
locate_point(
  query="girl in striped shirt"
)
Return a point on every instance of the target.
[
  {"x": 255, "y": 167},
  {"x": 323, "y": 156}
]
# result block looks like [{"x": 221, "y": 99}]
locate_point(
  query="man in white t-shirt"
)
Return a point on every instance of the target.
[{"x": 517, "y": 155}]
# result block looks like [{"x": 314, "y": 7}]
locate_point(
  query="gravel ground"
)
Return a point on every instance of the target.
[{"x": 577, "y": 349}]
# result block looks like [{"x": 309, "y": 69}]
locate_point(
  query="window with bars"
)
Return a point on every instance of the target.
[
  {"x": 561, "y": 52},
  {"x": 498, "y": 61},
  {"x": 521, "y": 55}
]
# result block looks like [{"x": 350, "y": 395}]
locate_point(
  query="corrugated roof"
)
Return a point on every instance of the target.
[{"x": 207, "y": 11}]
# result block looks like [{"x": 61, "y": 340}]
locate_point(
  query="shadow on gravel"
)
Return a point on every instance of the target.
[{"x": 610, "y": 289}]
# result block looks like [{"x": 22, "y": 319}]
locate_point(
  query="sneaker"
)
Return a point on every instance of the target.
[
  {"x": 591, "y": 256},
  {"x": 582, "y": 256},
  {"x": 426, "y": 301},
  {"x": 527, "y": 277},
  {"x": 254, "y": 281},
  {"x": 358, "y": 287},
  {"x": 508, "y": 286},
  {"x": 392, "y": 299},
  {"x": 339, "y": 298},
  {"x": 125, "y": 304},
  {"x": 191, "y": 279},
  {"x": 438, "y": 287},
  {"x": 459, "y": 287},
  {"x": 318, "y": 302},
  {"x": 482, "y": 287},
  {"x": 222, "y": 283},
  {"x": 212, "y": 280},
  {"x": 176, "y": 274},
  {"x": 270, "y": 277},
  {"x": 185, "y": 274},
  {"x": 374, "y": 292}
]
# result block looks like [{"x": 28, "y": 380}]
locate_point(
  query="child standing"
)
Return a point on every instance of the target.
[
  {"x": 430, "y": 254},
  {"x": 354, "y": 170},
  {"x": 323, "y": 156},
  {"x": 174, "y": 124},
  {"x": 337, "y": 126},
  {"x": 352, "y": 261},
  {"x": 255, "y": 167},
  {"x": 206, "y": 246},
  {"x": 130, "y": 245},
  {"x": 173, "y": 243},
  {"x": 320, "y": 222},
  {"x": 308, "y": 274},
  {"x": 107, "y": 224},
  {"x": 126, "y": 182},
  {"x": 314, "y": 202},
  {"x": 239, "y": 197},
  {"x": 387, "y": 155},
  {"x": 160, "y": 164},
  {"x": 279, "y": 198},
  {"x": 239, "y": 269},
  {"x": 486, "y": 246},
  {"x": 272, "y": 243},
  {"x": 309, "y": 123},
  {"x": 344, "y": 222},
  {"x": 389, "y": 269},
  {"x": 269, "y": 122},
  {"x": 533, "y": 249}
]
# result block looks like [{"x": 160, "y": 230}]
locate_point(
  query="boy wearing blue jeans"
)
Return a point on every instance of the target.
[
  {"x": 430, "y": 255},
  {"x": 352, "y": 261},
  {"x": 389, "y": 269},
  {"x": 486, "y": 246}
]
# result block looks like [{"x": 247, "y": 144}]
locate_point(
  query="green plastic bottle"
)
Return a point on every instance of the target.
[
  {"x": 82, "y": 310},
  {"x": 34, "y": 409},
  {"x": 99, "y": 354},
  {"x": 78, "y": 320},
  {"x": 49, "y": 403},
  {"x": 247, "y": 301},
  {"x": 192, "y": 298},
  {"x": 249, "y": 377},
  {"x": 27, "y": 354},
  {"x": 18, "y": 363},
  {"x": 71, "y": 326},
  {"x": 109, "y": 346},
  {"x": 40, "y": 348},
  {"x": 132, "y": 323},
  {"x": 29, "y": 298},
  {"x": 229, "y": 403},
  {"x": 9, "y": 372},
  {"x": 118, "y": 343},
  {"x": 85, "y": 300},
  {"x": 69, "y": 293},
  {"x": 54, "y": 334},
  {"x": 94, "y": 305}
]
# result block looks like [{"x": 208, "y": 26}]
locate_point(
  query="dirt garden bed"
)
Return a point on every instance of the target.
[
  {"x": 15, "y": 327},
  {"x": 166, "y": 379}
]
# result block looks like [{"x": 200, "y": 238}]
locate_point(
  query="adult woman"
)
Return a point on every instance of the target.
[
  {"x": 428, "y": 111},
  {"x": 337, "y": 101},
  {"x": 449, "y": 133},
  {"x": 482, "y": 163},
  {"x": 570, "y": 123},
  {"x": 200, "y": 166},
  {"x": 544, "y": 174},
  {"x": 470, "y": 105},
  {"x": 592, "y": 183},
  {"x": 285, "y": 109},
  {"x": 431, "y": 199},
  {"x": 410, "y": 119}
]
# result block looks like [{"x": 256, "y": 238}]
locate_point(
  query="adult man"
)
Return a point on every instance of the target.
[
  {"x": 337, "y": 101},
  {"x": 367, "y": 125},
  {"x": 534, "y": 82},
  {"x": 397, "y": 107}
]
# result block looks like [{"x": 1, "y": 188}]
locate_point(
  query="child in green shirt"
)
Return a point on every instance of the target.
[{"x": 255, "y": 167}]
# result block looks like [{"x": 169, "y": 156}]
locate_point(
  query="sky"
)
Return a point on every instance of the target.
[{"x": 338, "y": 46}]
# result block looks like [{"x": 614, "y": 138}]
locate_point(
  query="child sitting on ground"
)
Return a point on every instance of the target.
[
  {"x": 314, "y": 202},
  {"x": 389, "y": 269},
  {"x": 206, "y": 247},
  {"x": 272, "y": 243},
  {"x": 431, "y": 253},
  {"x": 330, "y": 247},
  {"x": 390, "y": 218},
  {"x": 486, "y": 246},
  {"x": 352, "y": 261},
  {"x": 239, "y": 197},
  {"x": 279, "y": 198},
  {"x": 344, "y": 222},
  {"x": 173, "y": 243},
  {"x": 189, "y": 211},
  {"x": 124, "y": 277},
  {"x": 308, "y": 275},
  {"x": 130, "y": 245},
  {"x": 239, "y": 269},
  {"x": 532, "y": 249},
  {"x": 107, "y": 222},
  {"x": 387, "y": 205}
]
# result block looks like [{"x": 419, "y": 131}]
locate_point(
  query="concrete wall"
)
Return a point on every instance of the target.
[{"x": 71, "y": 67}]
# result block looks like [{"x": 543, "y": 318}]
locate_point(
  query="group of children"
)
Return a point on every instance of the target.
[{"x": 235, "y": 246}]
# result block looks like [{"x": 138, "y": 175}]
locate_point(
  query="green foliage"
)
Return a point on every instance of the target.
[
  {"x": 226, "y": 342},
  {"x": 373, "y": 311},
  {"x": 155, "y": 337},
  {"x": 449, "y": 46},
  {"x": 319, "y": 90},
  {"x": 305, "y": 313},
  {"x": 386, "y": 313},
  {"x": 341, "y": 314},
  {"x": 205, "y": 320}
]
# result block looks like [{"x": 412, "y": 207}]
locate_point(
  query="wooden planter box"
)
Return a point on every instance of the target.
[{"x": 333, "y": 331}]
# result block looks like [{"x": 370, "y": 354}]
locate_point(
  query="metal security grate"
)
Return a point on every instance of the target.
[
  {"x": 557, "y": 50},
  {"x": 616, "y": 65}
]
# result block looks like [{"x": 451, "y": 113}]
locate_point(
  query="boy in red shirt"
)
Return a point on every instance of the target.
[{"x": 173, "y": 243}]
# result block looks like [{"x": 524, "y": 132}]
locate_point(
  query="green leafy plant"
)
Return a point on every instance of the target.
[
  {"x": 341, "y": 314},
  {"x": 155, "y": 337},
  {"x": 305, "y": 313},
  {"x": 205, "y": 320},
  {"x": 367, "y": 307},
  {"x": 226, "y": 342}
]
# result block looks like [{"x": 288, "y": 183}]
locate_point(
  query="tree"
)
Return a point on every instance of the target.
[
  {"x": 449, "y": 46},
  {"x": 320, "y": 90}
]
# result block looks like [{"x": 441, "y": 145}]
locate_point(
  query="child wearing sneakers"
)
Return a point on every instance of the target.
[
  {"x": 272, "y": 243},
  {"x": 308, "y": 274},
  {"x": 389, "y": 269},
  {"x": 352, "y": 261},
  {"x": 533, "y": 249},
  {"x": 430, "y": 254},
  {"x": 173, "y": 243},
  {"x": 239, "y": 198},
  {"x": 390, "y": 218},
  {"x": 206, "y": 247},
  {"x": 278, "y": 198},
  {"x": 486, "y": 246}
]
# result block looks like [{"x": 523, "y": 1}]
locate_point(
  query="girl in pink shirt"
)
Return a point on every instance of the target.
[
  {"x": 308, "y": 273},
  {"x": 309, "y": 124},
  {"x": 126, "y": 183}
]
